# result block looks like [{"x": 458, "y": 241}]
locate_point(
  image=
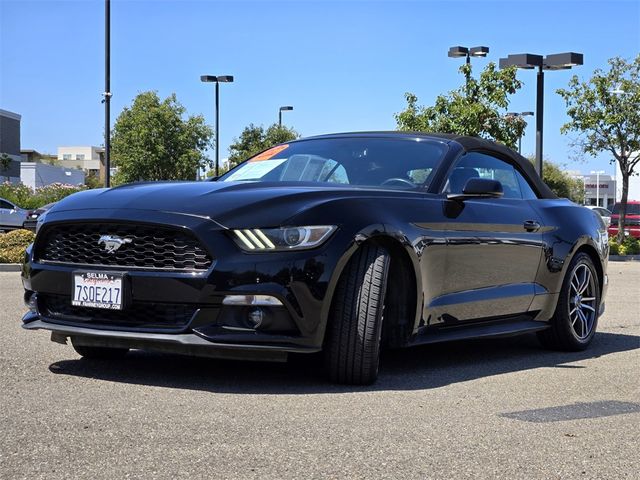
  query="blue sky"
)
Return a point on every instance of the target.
[{"x": 344, "y": 66}]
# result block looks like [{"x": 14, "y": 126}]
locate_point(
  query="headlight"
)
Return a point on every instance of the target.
[{"x": 286, "y": 238}]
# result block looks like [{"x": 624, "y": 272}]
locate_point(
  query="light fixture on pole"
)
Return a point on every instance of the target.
[
  {"x": 458, "y": 51},
  {"x": 217, "y": 79},
  {"x": 597, "y": 174},
  {"x": 519, "y": 115},
  {"x": 528, "y": 61},
  {"x": 283, "y": 109}
]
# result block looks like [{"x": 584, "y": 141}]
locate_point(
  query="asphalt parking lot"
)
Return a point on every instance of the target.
[{"x": 483, "y": 409}]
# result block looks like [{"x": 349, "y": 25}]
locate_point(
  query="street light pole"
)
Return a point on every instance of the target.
[
  {"x": 283, "y": 109},
  {"x": 597, "y": 174},
  {"x": 539, "y": 118},
  {"x": 558, "y": 61},
  {"x": 107, "y": 93},
  {"x": 217, "y": 128},
  {"x": 217, "y": 79}
]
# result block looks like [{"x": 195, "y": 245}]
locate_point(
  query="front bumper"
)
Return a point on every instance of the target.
[
  {"x": 183, "y": 343},
  {"x": 300, "y": 280}
]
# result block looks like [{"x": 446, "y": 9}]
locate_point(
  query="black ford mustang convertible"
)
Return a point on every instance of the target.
[{"x": 344, "y": 244}]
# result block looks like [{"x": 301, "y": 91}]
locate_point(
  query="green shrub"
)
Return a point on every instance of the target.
[
  {"x": 614, "y": 248},
  {"x": 629, "y": 246},
  {"x": 13, "y": 245},
  {"x": 632, "y": 245}
]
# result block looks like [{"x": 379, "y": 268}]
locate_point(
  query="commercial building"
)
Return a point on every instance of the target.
[
  {"x": 634, "y": 185},
  {"x": 599, "y": 189},
  {"x": 36, "y": 175},
  {"x": 29, "y": 155},
  {"x": 85, "y": 158},
  {"x": 9, "y": 146}
]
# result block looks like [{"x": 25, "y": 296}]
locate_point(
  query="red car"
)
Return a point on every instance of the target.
[{"x": 631, "y": 219}]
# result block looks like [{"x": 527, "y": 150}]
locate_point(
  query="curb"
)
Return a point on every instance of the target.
[
  {"x": 10, "y": 267},
  {"x": 624, "y": 258}
]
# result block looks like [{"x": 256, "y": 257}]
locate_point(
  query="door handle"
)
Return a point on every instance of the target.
[{"x": 531, "y": 225}]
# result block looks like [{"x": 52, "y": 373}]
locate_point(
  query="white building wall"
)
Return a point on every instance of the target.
[
  {"x": 91, "y": 157},
  {"x": 634, "y": 185},
  {"x": 36, "y": 175}
]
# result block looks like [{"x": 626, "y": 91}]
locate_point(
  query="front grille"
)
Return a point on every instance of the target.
[
  {"x": 143, "y": 315},
  {"x": 151, "y": 247}
]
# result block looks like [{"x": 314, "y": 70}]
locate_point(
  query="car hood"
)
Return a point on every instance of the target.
[{"x": 230, "y": 204}]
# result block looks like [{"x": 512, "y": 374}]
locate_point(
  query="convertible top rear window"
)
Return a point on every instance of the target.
[{"x": 385, "y": 162}]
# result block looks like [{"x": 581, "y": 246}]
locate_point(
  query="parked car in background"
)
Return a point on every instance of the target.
[
  {"x": 631, "y": 219},
  {"x": 603, "y": 212},
  {"x": 11, "y": 216},
  {"x": 33, "y": 215},
  {"x": 345, "y": 244}
]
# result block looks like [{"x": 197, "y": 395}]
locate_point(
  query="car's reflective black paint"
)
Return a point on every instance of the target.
[{"x": 459, "y": 267}]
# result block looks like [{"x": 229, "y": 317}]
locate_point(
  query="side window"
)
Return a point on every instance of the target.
[
  {"x": 480, "y": 165},
  {"x": 6, "y": 205},
  {"x": 525, "y": 188}
]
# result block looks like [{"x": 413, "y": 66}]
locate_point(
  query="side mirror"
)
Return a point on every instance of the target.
[{"x": 479, "y": 188}]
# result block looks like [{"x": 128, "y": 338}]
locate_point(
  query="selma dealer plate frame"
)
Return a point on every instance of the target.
[{"x": 100, "y": 290}]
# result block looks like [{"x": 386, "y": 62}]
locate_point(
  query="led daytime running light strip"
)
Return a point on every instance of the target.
[{"x": 254, "y": 238}]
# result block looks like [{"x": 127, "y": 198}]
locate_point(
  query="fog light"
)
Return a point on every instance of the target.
[
  {"x": 264, "y": 300},
  {"x": 30, "y": 300},
  {"x": 256, "y": 317}
]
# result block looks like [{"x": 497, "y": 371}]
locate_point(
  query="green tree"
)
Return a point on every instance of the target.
[
  {"x": 152, "y": 141},
  {"x": 5, "y": 163},
  {"x": 477, "y": 108},
  {"x": 561, "y": 183},
  {"x": 605, "y": 113},
  {"x": 254, "y": 139},
  {"x": 92, "y": 180}
]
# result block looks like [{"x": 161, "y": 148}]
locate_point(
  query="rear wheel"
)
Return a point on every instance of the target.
[
  {"x": 352, "y": 348},
  {"x": 104, "y": 353},
  {"x": 576, "y": 318}
]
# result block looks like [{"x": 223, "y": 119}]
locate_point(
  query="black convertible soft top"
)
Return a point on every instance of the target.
[
  {"x": 468, "y": 144},
  {"x": 475, "y": 143}
]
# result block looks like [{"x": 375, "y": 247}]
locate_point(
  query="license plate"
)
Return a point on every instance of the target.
[{"x": 97, "y": 290}]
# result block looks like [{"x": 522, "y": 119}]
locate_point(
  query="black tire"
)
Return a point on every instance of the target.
[
  {"x": 566, "y": 331},
  {"x": 101, "y": 353},
  {"x": 352, "y": 346}
]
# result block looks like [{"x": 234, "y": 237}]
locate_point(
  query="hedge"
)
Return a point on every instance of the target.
[
  {"x": 13, "y": 244},
  {"x": 629, "y": 246},
  {"x": 25, "y": 197}
]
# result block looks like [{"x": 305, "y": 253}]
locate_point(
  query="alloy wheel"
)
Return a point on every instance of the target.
[{"x": 582, "y": 301}]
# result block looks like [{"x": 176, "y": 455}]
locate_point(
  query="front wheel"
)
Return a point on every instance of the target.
[
  {"x": 576, "y": 317},
  {"x": 352, "y": 347}
]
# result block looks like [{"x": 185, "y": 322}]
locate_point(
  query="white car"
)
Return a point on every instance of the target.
[
  {"x": 11, "y": 216},
  {"x": 604, "y": 213}
]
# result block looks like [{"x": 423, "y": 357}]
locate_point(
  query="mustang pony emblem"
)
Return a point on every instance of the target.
[{"x": 113, "y": 242}]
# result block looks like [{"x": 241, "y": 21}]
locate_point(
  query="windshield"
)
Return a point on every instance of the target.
[{"x": 361, "y": 161}]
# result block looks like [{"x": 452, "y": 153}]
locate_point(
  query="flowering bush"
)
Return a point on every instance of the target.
[
  {"x": 25, "y": 197},
  {"x": 629, "y": 246},
  {"x": 13, "y": 245}
]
